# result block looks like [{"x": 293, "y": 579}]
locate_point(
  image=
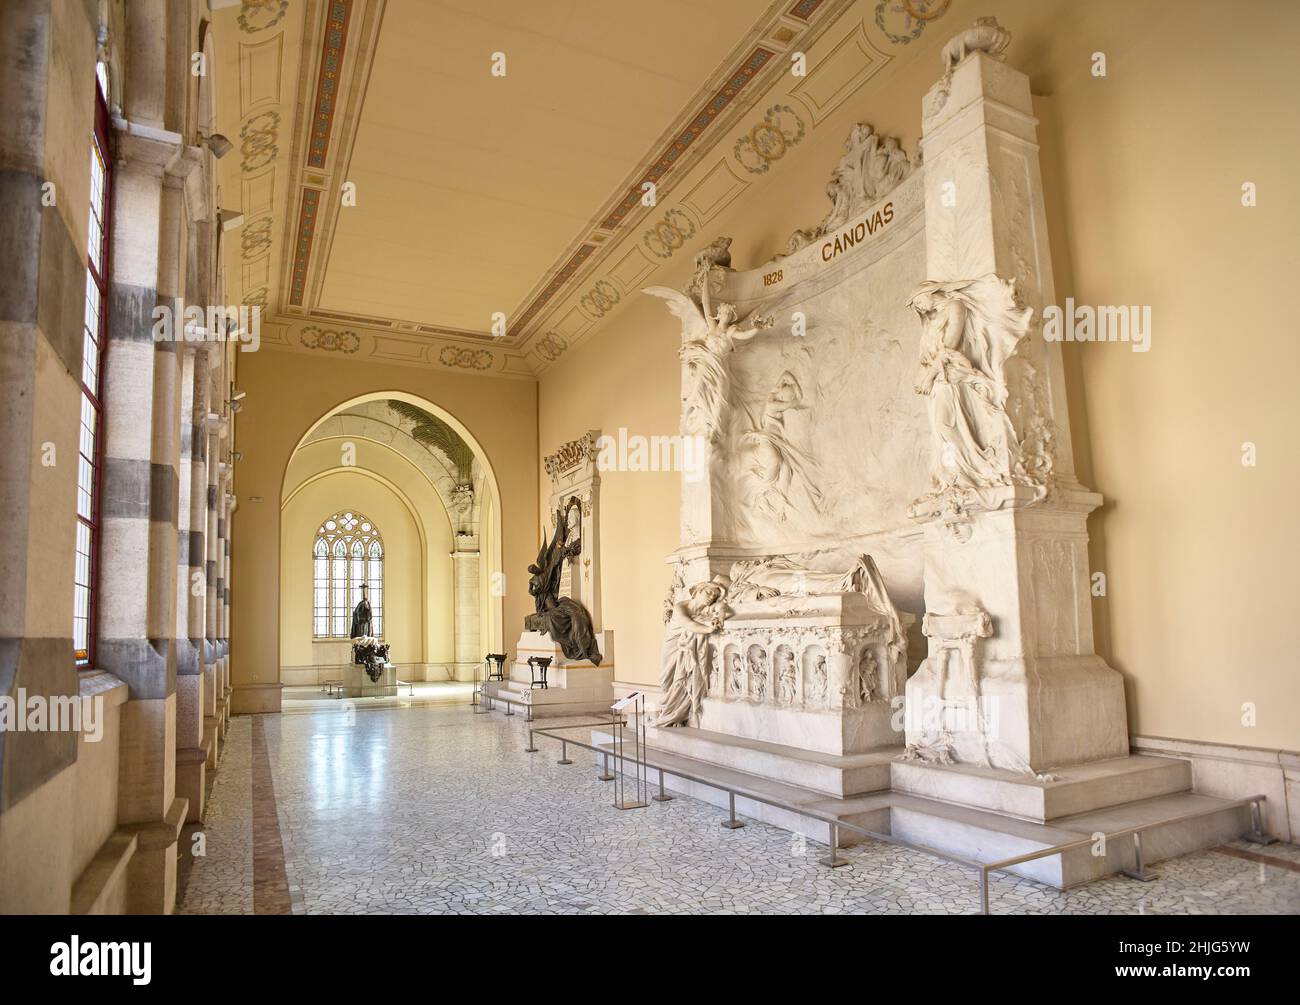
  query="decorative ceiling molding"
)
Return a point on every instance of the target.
[{"x": 744, "y": 120}]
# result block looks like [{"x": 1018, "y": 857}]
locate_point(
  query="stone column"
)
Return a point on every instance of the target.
[
  {"x": 465, "y": 570},
  {"x": 137, "y": 588},
  {"x": 213, "y": 707},
  {"x": 1010, "y": 545},
  {"x": 42, "y": 306},
  {"x": 193, "y": 746},
  {"x": 223, "y": 588}
]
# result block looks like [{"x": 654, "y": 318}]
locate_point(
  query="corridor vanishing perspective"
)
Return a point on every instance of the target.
[
  {"x": 437, "y": 810},
  {"x": 484, "y": 458}
]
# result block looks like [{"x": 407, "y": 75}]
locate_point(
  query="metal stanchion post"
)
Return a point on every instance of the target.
[
  {"x": 604, "y": 775},
  {"x": 532, "y": 745},
  {"x": 732, "y": 823},
  {"x": 620, "y": 758},
  {"x": 564, "y": 753},
  {"x": 661, "y": 796},
  {"x": 832, "y": 858},
  {"x": 1138, "y": 871}
]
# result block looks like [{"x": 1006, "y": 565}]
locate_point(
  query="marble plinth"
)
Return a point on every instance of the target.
[
  {"x": 357, "y": 683},
  {"x": 572, "y": 686}
]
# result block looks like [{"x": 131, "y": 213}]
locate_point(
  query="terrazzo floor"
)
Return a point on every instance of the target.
[{"x": 437, "y": 810}]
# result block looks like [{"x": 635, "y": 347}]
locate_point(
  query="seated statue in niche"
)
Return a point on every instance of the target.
[
  {"x": 785, "y": 677},
  {"x": 685, "y": 657},
  {"x": 563, "y": 619},
  {"x": 818, "y": 681},
  {"x": 757, "y": 673},
  {"x": 736, "y": 677}
]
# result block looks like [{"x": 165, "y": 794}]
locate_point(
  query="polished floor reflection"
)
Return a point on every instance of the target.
[{"x": 432, "y": 809}]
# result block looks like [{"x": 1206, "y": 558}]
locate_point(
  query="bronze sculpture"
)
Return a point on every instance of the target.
[{"x": 565, "y": 620}]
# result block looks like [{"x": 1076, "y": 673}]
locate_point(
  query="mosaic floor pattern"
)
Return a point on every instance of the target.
[{"x": 437, "y": 810}]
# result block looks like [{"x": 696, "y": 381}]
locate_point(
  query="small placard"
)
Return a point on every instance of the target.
[{"x": 623, "y": 703}]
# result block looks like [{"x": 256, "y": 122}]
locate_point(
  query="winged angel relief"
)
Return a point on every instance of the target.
[{"x": 708, "y": 337}]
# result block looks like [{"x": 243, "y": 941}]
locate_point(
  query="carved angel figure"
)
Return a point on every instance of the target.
[
  {"x": 707, "y": 339},
  {"x": 970, "y": 329},
  {"x": 684, "y": 660}
]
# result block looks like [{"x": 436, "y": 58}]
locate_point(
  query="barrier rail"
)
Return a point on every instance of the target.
[{"x": 833, "y": 859}]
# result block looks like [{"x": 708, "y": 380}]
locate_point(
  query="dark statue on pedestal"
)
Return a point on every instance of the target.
[
  {"x": 367, "y": 651},
  {"x": 565, "y": 620},
  {"x": 361, "y": 617}
]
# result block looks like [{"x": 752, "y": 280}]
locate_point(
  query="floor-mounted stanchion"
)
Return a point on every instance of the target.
[
  {"x": 1138, "y": 871},
  {"x": 731, "y": 823},
  {"x": 661, "y": 796},
  {"x": 480, "y": 701},
  {"x": 636, "y": 702},
  {"x": 832, "y": 858},
  {"x": 532, "y": 744},
  {"x": 564, "y": 753},
  {"x": 605, "y": 775}
]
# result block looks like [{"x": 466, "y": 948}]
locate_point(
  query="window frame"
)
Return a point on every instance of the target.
[
  {"x": 99, "y": 276},
  {"x": 347, "y": 538}
]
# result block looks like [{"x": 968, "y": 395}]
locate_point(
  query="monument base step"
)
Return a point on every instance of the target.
[
  {"x": 552, "y": 701},
  {"x": 832, "y": 774},
  {"x": 1085, "y": 802},
  {"x": 1075, "y": 789}
]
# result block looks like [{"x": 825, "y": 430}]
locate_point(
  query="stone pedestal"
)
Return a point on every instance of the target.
[
  {"x": 572, "y": 686},
  {"x": 357, "y": 683}
]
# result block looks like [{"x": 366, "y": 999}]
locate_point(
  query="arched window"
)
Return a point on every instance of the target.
[
  {"x": 90, "y": 433},
  {"x": 348, "y": 551}
]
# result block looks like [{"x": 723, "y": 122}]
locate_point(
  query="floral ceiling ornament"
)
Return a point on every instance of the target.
[
  {"x": 601, "y": 298},
  {"x": 327, "y": 340},
  {"x": 258, "y": 138},
  {"x": 669, "y": 234},
  {"x": 258, "y": 15},
  {"x": 903, "y": 21},
  {"x": 255, "y": 238},
  {"x": 551, "y": 346},
  {"x": 769, "y": 140},
  {"x": 466, "y": 359}
]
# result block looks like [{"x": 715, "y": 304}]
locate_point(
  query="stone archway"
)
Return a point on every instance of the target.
[{"x": 381, "y": 434}]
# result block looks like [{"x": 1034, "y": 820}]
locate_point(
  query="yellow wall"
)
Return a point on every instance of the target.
[
  {"x": 288, "y": 393},
  {"x": 1143, "y": 173}
]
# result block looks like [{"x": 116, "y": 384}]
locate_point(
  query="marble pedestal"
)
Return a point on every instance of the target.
[
  {"x": 1011, "y": 680},
  {"x": 357, "y": 683},
  {"x": 572, "y": 686}
]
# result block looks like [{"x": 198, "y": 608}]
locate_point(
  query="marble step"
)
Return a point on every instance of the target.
[
  {"x": 1074, "y": 789},
  {"x": 834, "y": 775},
  {"x": 988, "y": 837},
  {"x": 978, "y": 835}
]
